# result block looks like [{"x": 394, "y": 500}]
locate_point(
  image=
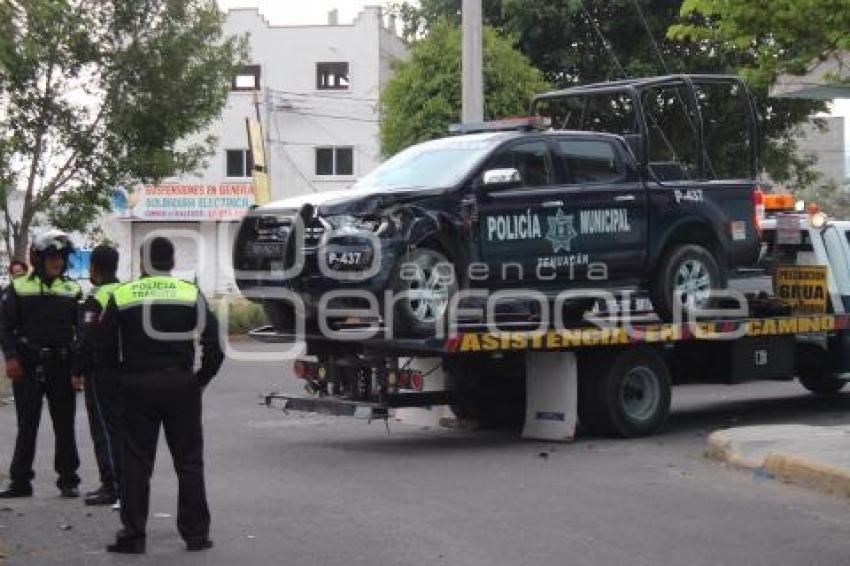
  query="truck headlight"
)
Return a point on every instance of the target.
[{"x": 375, "y": 224}]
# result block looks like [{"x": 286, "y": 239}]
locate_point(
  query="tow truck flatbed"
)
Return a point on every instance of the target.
[{"x": 614, "y": 375}]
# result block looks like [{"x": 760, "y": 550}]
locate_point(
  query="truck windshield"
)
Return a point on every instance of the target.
[{"x": 437, "y": 164}]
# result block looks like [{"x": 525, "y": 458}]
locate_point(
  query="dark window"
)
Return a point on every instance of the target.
[
  {"x": 324, "y": 161},
  {"x": 344, "y": 161},
  {"x": 240, "y": 163},
  {"x": 332, "y": 76},
  {"x": 588, "y": 161},
  {"x": 530, "y": 159},
  {"x": 247, "y": 78},
  {"x": 672, "y": 133},
  {"x": 606, "y": 112},
  {"x": 334, "y": 161},
  {"x": 725, "y": 110}
]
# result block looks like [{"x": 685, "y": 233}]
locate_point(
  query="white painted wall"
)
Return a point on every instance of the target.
[{"x": 296, "y": 118}]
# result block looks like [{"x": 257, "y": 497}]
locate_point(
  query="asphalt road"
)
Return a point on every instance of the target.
[{"x": 316, "y": 491}]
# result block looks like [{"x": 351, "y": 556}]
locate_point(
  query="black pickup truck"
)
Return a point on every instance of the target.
[{"x": 638, "y": 184}]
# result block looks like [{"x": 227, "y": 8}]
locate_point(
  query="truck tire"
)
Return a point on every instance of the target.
[
  {"x": 422, "y": 270},
  {"x": 624, "y": 393},
  {"x": 813, "y": 371},
  {"x": 685, "y": 270}
]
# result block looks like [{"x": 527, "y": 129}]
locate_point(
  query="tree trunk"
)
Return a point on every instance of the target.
[{"x": 22, "y": 243}]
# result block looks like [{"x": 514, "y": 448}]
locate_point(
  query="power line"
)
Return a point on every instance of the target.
[
  {"x": 601, "y": 37},
  {"x": 651, "y": 37},
  {"x": 298, "y": 170},
  {"x": 333, "y": 117},
  {"x": 341, "y": 96}
]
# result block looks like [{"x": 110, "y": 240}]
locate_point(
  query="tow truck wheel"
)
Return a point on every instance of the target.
[
  {"x": 624, "y": 393},
  {"x": 423, "y": 281},
  {"x": 813, "y": 373},
  {"x": 686, "y": 272}
]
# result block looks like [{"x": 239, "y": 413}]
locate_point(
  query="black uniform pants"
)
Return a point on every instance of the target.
[
  {"x": 54, "y": 382},
  {"x": 103, "y": 406},
  {"x": 171, "y": 399}
]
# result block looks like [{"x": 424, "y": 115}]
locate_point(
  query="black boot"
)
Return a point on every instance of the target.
[
  {"x": 16, "y": 490},
  {"x": 198, "y": 545},
  {"x": 105, "y": 495},
  {"x": 69, "y": 492},
  {"x": 126, "y": 544}
]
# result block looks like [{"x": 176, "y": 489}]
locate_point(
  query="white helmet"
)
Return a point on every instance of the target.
[{"x": 55, "y": 241}]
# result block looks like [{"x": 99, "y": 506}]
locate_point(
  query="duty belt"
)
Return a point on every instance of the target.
[{"x": 45, "y": 354}]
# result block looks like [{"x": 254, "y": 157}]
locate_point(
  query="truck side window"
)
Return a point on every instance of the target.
[
  {"x": 725, "y": 111},
  {"x": 672, "y": 133},
  {"x": 603, "y": 112},
  {"x": 589, "y": 161},
  {"x": 530, "y": 159}
]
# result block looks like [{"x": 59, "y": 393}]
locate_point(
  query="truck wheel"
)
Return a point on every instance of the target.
[
  {"x": 427, "y": 280},
  {"x": 813, "y": 373},
  {"x": 626, "y": 394},
  {"x": 685, "y": 271}
]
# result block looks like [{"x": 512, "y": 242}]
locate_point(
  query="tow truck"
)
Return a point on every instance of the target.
[{"x": 612, "y": 375}]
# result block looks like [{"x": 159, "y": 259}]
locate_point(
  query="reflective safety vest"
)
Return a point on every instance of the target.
[
  {"x": 29, "y": 285},
  {"x": 46, "y": 314},
  {"x": 103, "y": 292},
  {"x": 158, "y": 320},
  {"x": 155, "y": 290}
]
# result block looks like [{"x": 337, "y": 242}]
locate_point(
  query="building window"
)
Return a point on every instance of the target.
[
  {"x": 240, "y": 162},
  {"x": 332, "y": 76},
  {"x": 334, "y": 161},
  {"x": 247, "y": 78}
]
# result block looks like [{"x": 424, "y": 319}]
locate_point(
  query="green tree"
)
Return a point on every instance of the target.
[
  {"x": 783, "y": 36},
  {"x": 95, "y": 93},
  {"x": 424, "y": 95},
  {"x": 584, "y": 41}
]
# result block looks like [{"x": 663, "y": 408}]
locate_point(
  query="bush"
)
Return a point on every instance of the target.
[{"x": 243, "y": 315}]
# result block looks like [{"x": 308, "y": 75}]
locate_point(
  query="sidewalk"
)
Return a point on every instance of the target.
[{"x": 815, "y": 456}]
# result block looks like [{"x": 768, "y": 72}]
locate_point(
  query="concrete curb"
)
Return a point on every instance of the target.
[{"x": 794, "y": 468}]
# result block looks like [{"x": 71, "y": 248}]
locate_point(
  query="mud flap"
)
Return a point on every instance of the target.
[{"x": 551, "y": 407}]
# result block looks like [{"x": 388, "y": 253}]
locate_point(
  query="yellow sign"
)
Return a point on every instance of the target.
[
  {"x": 260, "y": 172},
  {"x": 804, "y": 287},
  {"x": 568, "y": 339}
]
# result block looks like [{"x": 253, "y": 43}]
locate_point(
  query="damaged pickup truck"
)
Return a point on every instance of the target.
[{"x": 516, "y": 205}]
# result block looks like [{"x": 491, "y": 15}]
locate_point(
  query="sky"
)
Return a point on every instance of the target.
[{"x": 302, "y": 12}]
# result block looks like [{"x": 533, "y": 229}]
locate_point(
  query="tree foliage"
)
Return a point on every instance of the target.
[
  {"x": 94, "y": 93},
  {"x": 584, "y": 41},
  {"x": 783, "y": 36},
  {"x": 424, "y": 95}
]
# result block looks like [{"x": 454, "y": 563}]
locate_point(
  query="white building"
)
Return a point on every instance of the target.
[
  {"x": 828, "y": 146},
  {"x": 315, "y": 90}
]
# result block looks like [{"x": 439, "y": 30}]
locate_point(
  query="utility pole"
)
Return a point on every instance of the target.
[{"x": 473, "y": 82}]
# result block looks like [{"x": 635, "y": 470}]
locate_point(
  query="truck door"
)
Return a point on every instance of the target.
[
  {"x": 600, "y": 217},
  {"x": 512, "y": 222}
]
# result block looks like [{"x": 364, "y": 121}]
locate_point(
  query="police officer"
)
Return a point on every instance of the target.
[
  {"x": 38, "y": 317},
  {"x": 101, "y": 384},
  {"x": 156, "y": 319}
]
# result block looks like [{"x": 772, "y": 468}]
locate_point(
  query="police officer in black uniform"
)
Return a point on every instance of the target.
[
  {"x": 157, "y": 319},
  {"x": 38, "y": 318},
  {"x": 98, "y": 374}
]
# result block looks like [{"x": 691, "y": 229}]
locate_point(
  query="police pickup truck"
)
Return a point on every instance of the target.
[{"x": 656, "y": 202}]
